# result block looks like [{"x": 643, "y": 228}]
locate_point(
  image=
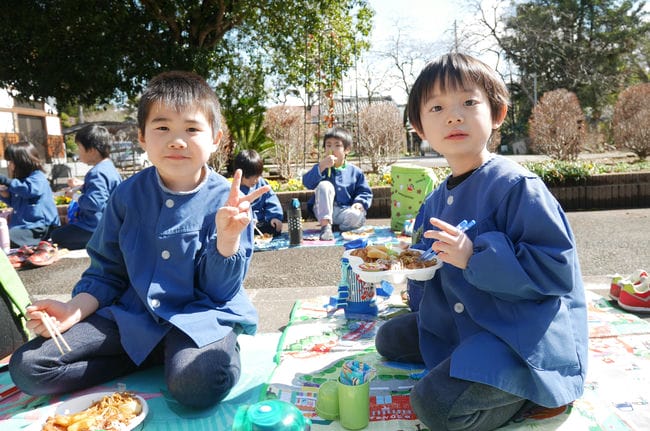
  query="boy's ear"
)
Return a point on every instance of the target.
[
  {"x": 141, "y": 139},
  {"x": 217, "y": 140},
  {"x": 500, "y": 117}
]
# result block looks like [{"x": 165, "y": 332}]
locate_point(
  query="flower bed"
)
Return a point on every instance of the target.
[{"x": 597, "y": 192}]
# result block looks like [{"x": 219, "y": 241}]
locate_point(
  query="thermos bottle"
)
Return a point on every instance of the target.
[
  {"x": 4, "y": 235},
  {"x": 294, "y": 218}
]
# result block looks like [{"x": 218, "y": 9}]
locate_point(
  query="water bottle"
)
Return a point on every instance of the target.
[
  {"x": 5, "y": 244},
  {"x": 294, "y": 218}
]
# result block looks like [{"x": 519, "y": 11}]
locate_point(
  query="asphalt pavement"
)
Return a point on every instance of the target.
[{"x": 609, "y": 242}]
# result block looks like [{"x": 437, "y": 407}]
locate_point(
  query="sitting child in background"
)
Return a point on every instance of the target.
[
  {"x": 28, "y": 192},
  {"x": 167, "y": 266},
  {"x": 267, "y": 210},
  {"x": 503, "y": 323},
  {"x": 93, "y": 147},
  {"x": 342, "y": 195}
]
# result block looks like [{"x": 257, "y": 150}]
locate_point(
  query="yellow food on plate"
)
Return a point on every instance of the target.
[{"x": 112, "y": 412}]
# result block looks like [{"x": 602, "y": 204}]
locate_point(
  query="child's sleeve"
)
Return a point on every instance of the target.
[
  {"x": 362, "y": 191},
  {"x": 530, "y": 254},
  {"x": 312, "y": 177}
]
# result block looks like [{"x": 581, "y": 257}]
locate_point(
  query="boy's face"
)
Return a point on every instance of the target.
[
  {"x": 458, "y": 123},
  {"x": 335, "y": 147},
  {"x": 178, "y": 145},
  {"x": 250, "y": 181}
]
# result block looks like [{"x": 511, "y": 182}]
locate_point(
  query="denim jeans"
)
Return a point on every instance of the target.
[
  {"x": 195, "y": 377},
  {"x": 440, "y": 401}
]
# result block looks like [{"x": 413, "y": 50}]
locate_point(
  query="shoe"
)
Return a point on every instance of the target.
[
  {"x": 615, "y": 287},
  {"x": 635, "y": 295},
  {"x": 45, "y": 254},
  {"x": 18, "y": 257},
  {"x": 326, "y": 233}
]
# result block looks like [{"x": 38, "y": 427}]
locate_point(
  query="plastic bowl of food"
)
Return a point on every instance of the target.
[{"x": 400, "y": 265}]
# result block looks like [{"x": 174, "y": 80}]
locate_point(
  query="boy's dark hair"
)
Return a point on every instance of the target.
[
  {"x": 339, "y": 133},
  {"x": 97, "y": 137},
  {"x": 25, "y": 158},
  {"x": 180, "y": 90},
  {"x": 250, "y": 163},
  {"x": 456, "y": 71}
]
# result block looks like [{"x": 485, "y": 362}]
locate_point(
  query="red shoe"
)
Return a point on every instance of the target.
[
  {"x": 615, "y": 287},
  {"x": 45, "y": 254},
  {"x": 635, "y": 295},
  {"x": 18, "y": 257}
]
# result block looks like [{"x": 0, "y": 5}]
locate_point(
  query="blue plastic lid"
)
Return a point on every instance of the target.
[
  {"x": 295, "y": 203},
  {"x": 271, "y": 415}
]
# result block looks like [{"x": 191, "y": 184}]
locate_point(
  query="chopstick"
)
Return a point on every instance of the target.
[
  {"x": 462, "y": 226},
  {"x": 54, "y": 332},
  {"x": 258, "y": 231}
]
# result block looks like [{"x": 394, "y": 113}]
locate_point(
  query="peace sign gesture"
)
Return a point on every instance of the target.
[{"x": 234, "y": 216}]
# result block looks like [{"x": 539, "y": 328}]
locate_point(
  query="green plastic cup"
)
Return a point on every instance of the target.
[
  {"x": 354, "y": 405},
  {"x": 327, "y": 402}
]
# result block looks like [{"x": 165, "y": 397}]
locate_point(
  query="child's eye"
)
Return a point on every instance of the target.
[
  {"x": 436, "y": 108},
  {"x": 470, "y": 102},
  {"x": 163, "y": 128},
  {"x": 193, "y": 130}
]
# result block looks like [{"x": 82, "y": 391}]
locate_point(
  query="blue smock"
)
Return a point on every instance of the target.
[
  {"x": 349, "y": 182},
  {"x": 515, "y": 318},
  {"x": 99, "y": 183},
  {"x": 32, "y": 201},
  {"x": 155, "y": 264},
  {"x": 266, "y": 207}
]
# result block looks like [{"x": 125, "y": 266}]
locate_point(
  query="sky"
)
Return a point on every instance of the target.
[
  {"x": 426, "y": 20},
  {"x": 417, "y": 18}
]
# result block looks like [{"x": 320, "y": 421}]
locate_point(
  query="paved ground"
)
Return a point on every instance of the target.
[{"x": 608, "y": 242}]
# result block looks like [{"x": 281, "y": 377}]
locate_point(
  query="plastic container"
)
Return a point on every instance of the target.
[
  {"x": 294, "y": 219},
  {"x": 327, "y": 402},
  {"x": 270, "y": 415},
  {"x": 411, "y": 184},
  {"x": 354, "y": 405}
]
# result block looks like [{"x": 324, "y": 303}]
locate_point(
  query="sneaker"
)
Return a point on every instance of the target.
[
  {"x": 326, "y": 233},
  {"x": 615, "y": 287},
  {"x": 635, "y": 295}
]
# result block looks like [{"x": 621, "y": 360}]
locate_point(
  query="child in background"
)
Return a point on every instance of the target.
[
  {"x": 28, "y": 192},
  {"x": 267, "y": 211},
  {"x": 168, "y": 260},
  {"x": 93, "y": 147},
  {"x": 342, "y": 195},
  {"x": 503, "y": 323}
]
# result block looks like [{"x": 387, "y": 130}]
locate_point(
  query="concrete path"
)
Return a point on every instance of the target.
[{"x": 608, "y": 242}]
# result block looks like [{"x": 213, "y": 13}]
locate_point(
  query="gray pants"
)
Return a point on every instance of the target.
[
  {"x": 347, "y": 218},
  {"x": 440, "y": 401}
]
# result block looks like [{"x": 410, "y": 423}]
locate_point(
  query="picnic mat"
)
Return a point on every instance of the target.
[
  {"x": 310, "y": 238},
  {"x": 24, "y": 412},
  {"x": 319, "y": 339}
]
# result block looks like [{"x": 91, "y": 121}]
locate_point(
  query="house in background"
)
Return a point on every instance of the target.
[{"x": 35, "y": 121}]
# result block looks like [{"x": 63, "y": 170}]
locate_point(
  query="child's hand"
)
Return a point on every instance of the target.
[
  {"x": 452, "y": 245},
  {"x": 329, "y": 161},
  {"x": 62, "y": 314},
  {"x": 234, "y": 216}
]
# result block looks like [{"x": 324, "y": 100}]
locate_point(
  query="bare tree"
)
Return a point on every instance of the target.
[
  {"x": 557, "y": 126},
  {"x": 286, "y": 126},
  {"x": 631, "y": 120},
  {"x": 381, "y": 135}
]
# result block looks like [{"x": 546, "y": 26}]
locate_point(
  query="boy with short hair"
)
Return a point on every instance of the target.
[
  {"x": 267, "y": 210},
  {"x": 94, "y": 148},
  {"x": 503, "y": 323},
  {"x": 342, "y": 195},
  {"x": 167, "y": 264}
]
